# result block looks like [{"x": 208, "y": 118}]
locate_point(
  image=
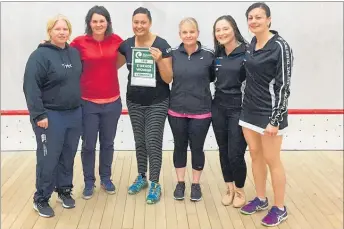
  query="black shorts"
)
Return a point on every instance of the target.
[{"x": 258, "y": 123}]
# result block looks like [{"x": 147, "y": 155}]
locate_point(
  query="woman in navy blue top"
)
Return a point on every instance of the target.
[
  {"x": 230, "y": 49},
  {"x": 265, "y": 115},
  {"x": 189, "y": 114}
]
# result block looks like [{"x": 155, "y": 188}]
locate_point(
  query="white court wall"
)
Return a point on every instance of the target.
[{"x": 314, "y": 30}]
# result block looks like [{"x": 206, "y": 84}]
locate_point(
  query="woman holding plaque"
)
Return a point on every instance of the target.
[
  {"x": 149, "y": 62},
  {"x": 189, "y": 113}
]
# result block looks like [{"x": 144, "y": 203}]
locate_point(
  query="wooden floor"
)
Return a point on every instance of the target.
[{"x": 314, "y": 196}]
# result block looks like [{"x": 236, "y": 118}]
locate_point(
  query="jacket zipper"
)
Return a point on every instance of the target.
[
  {"x": 100, "y": 47},
  {"x": 189, "y": 58}
]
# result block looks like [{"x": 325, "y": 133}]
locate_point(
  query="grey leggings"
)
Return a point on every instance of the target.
[{"x": 148, "y": 123}]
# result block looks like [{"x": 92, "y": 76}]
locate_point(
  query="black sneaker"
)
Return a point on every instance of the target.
[
  {"x": 196, "y": 193},
  {"x": 66, "y": 199},
  {"x": 43, "y": 208},
  {"x": 179, "y": 191}
]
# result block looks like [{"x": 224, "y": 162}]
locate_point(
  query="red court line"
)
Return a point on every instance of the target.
[
  {"x": 290, "y": 111},
  {"x": 315, "y": 111},
  {"x": 26, "y": 112}
]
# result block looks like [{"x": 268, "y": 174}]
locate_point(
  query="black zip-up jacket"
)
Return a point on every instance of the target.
[
  {"x": 268, "y": 79},
  {"x": 190, "y": 93},
  {"x": 230, "y": 74},
  {"x": 52, "y": 80}
]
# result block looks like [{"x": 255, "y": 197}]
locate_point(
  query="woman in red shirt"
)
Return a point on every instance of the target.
[{"x": 100, "y": 93}]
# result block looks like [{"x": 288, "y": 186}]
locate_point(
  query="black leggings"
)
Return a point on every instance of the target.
[
  {"x": 231, "y": 142},
  {"x": 187, "y": 130}
]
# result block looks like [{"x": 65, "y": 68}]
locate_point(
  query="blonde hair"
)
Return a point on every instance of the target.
[
  {"x": 51, "y": 23},
  {"x": 190, "y": 20}
]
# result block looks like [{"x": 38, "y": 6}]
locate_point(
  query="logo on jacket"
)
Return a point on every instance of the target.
[
  {"x": 217, "y": 63},
  {"x": 67, "y": 65},
  {"x": 44, "y": 143}
]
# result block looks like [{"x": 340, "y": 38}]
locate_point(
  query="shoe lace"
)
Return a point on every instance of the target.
[
  {"x": 239, "y": 195},
  {"x": 43, "y": 204},
  {"x": 66, "y": 195},
  {"x": 138, "y": 181},
  {"x": 197, "y": 187},
  {"x": 180, "y": 187},
  {"x": 153, "y": 189},
  {"x": 229, "y": 192},
  {"x": 272, "y": 212},
  {"x": 91, "y": 187},
  {"x": 108, "y": 183},
  {"x": 254, "y": 202}
]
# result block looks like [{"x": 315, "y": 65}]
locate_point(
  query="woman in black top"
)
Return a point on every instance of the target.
[
  {"x": 189, "y": 113},
  {"x": 230, "y": 48},
  {"x": 52, "y": 92},
  {"x": 264, "y": 117},
  {"x": 147, "y": 99}
]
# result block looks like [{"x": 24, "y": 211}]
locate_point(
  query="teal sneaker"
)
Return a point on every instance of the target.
[
  {"x": 154, "y": 193},
  {"x": 139, "y": 184}
]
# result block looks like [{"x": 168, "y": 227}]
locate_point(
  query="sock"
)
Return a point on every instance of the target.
[
  {"x": 263, "y": 200},
  {"x": 282, "y": 209},
  {"x": 143, "y": 175},
  {"x": 181, "y": 182}
]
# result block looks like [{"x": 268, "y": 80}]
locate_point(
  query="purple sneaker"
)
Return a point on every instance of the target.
[
  {"x": 254, "y": 205},
  {"x": 275, "y": 217}
]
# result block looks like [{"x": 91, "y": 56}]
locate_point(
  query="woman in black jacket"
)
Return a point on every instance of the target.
[
  {"x": 189, "y": 113},
  {"x": 230, "y": 48},
  {"x": 52, "y": 92},
  {"x": 264, "y": 118}
]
